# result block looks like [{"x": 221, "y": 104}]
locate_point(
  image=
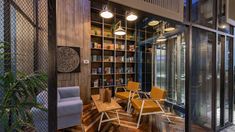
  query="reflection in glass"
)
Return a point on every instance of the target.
[
  {"x": 222, "y": 24},
  {"x": 221, "y": 42},
  {"x": 226, "y": 79},
  {"x": 170, "y": 67},
  {"x": 160, "y": 65},
  {"x": 202, "y": 12},
  {"x": 201, "y": 77}
]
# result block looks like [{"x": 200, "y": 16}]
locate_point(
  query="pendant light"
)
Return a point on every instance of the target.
[
  {"x": 161, "y": 37},
  {"x": 169, "y": 27},
  {"x": 119, "y": 31},
  {"x": 153, "y": 23},
  {"x": 131, "y": 16},
  {"x": 106, "y": 13}
]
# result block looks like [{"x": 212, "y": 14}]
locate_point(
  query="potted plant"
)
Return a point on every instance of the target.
[{"x": 18, "y": 96}]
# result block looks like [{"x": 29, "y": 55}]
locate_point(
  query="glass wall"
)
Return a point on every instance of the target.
[
  {"x": 160, "y": 65},
  {"x": 221, "y": 41},
  {"x": 203, "y": 12},
  {"x": 170, "y": 67},
  {"x": 222, "y": 24},
  {"x": 201, "y": 77}
]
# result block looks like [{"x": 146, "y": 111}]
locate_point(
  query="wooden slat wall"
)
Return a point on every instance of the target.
[{"x": 73, "y": 29}]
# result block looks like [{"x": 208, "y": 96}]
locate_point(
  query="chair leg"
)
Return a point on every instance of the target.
[
  {"x": 138, "y": 123},
  {"x": 101, "y": 118},
  {"x": 128, "y": 104},
  {"x": 141, "y": 110},
  {"x": 129, "y": 110}
]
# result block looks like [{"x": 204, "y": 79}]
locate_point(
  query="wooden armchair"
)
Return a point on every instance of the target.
[
  {"x": 130, "y": 91},
  {"x": 150, "y": 105}
]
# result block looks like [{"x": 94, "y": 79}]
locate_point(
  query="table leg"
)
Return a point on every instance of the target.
[
  {"x": 101, "y": 118},
  {"x": 118, "y": 117},
  {"x": 107, "y": 115}
]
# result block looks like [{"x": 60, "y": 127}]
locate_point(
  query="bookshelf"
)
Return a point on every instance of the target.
[{"x": 113, "y": 58}]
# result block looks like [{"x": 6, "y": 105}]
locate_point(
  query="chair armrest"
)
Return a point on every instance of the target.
[
  {"x": 39, "y": 115},
  {"x": 69, "y": 107},
  {"x": 66, "y": 92},
  {"x": 144, "y": 93},
  {"x": 116, "y": 88},
  {"x": 160, "y": 100}
]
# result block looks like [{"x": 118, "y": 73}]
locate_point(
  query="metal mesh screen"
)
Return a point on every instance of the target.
[{"x": 24, "y": 63}]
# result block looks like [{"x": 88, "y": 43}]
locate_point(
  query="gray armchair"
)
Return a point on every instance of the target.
[{"x": 69, "y": 109}]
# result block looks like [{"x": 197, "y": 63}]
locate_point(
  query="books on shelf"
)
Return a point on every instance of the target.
[
  {"x": 96, "y": 83},
  {"x": 108, "y": 58},
  {"x": 96, "y": 58},
  {"x": 131, "y": 47},
  {"x": 119, "y": 81},
  {"x": 120, "y": 47},
  {"x": 130, "y": 59},
  {"x": 106, "y": 51},
  {"x": 120, "y": 59},
  {"x": 129, "y": 70},
  {"x": 108, "y": 46},
  {"x": 130, "y": 79},
  {"x": 108, "y": 32},
  {"x": 95, "y": 30},
  {"x": 95, "y": 71},
  {"x": 108, "y": 70},
  {"x": 96, "y": 45},
  {"x": 130, "y": 37},
  {"x": 100, "y": 70},
  {"x": 120, "y": 70},
  {"x": 108, "y": 82}
]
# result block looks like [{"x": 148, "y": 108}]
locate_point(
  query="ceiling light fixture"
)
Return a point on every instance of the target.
[
  {"x": 161, "y": 38},
  {"x": 169, "y": 27},
  {"x": 119, "y": 31},
  {"x": 131, "y": 16},
  {"x": 106, "y": 13},
  {"x": 153, "y": 23}
]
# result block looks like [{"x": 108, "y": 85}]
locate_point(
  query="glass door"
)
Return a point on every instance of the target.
[
  {"x": 169, "y": 67},
  {"x": 224, "y": 81}
]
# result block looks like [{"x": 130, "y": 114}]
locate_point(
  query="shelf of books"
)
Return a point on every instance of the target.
[{"x": 112, "y": 57}]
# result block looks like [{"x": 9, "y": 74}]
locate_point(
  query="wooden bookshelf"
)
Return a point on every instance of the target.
[{"x": 113, "y": 58}]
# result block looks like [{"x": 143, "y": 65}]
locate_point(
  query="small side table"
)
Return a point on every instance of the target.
[{"x": 103, "y": 108}]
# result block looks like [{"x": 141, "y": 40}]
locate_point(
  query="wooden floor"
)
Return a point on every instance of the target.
[{"x": 153, "y": 123}]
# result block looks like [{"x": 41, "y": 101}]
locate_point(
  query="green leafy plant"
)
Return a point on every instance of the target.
[{"x": 19, "y": 92}]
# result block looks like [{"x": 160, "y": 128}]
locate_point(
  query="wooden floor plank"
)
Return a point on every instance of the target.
[{"x": 128, "y": 122}]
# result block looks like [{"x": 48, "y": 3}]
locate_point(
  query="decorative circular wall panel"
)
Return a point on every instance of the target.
[{"x": 68, "y": 59}]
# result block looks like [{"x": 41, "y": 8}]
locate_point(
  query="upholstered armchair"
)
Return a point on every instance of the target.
[
  {"x": 130, "y": 91},
  {"x": 69, "y": 109},
  {"x": 152, "y": 105}
]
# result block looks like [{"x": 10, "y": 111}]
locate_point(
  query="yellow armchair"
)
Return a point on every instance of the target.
[
  {"x": 151, "y": 105},
  {"x": 130, "y": 92}
]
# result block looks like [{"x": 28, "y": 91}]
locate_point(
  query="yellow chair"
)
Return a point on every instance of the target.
[
  {"x": 131, "y": 91},
  {"x": 150, "y": 105}
]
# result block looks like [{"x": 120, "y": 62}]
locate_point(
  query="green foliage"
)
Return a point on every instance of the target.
[{"x": 19, "y": 96}]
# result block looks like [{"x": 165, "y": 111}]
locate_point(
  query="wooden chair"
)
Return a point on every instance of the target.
[
  {"x": 150, "y": 105},
  {"x": 130, "y": 91}
]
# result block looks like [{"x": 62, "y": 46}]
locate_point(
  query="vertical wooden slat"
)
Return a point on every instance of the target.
[{"x": 73, "y": 17}]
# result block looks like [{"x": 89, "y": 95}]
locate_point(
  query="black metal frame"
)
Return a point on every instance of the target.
[
  {"x": 191, "y": 25},
  {"x": 52, "y": 69},
  {"x": 7, "y": 34},
  {"x": 35, "y": 65},
  {"x": 52, "y": 42}
]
